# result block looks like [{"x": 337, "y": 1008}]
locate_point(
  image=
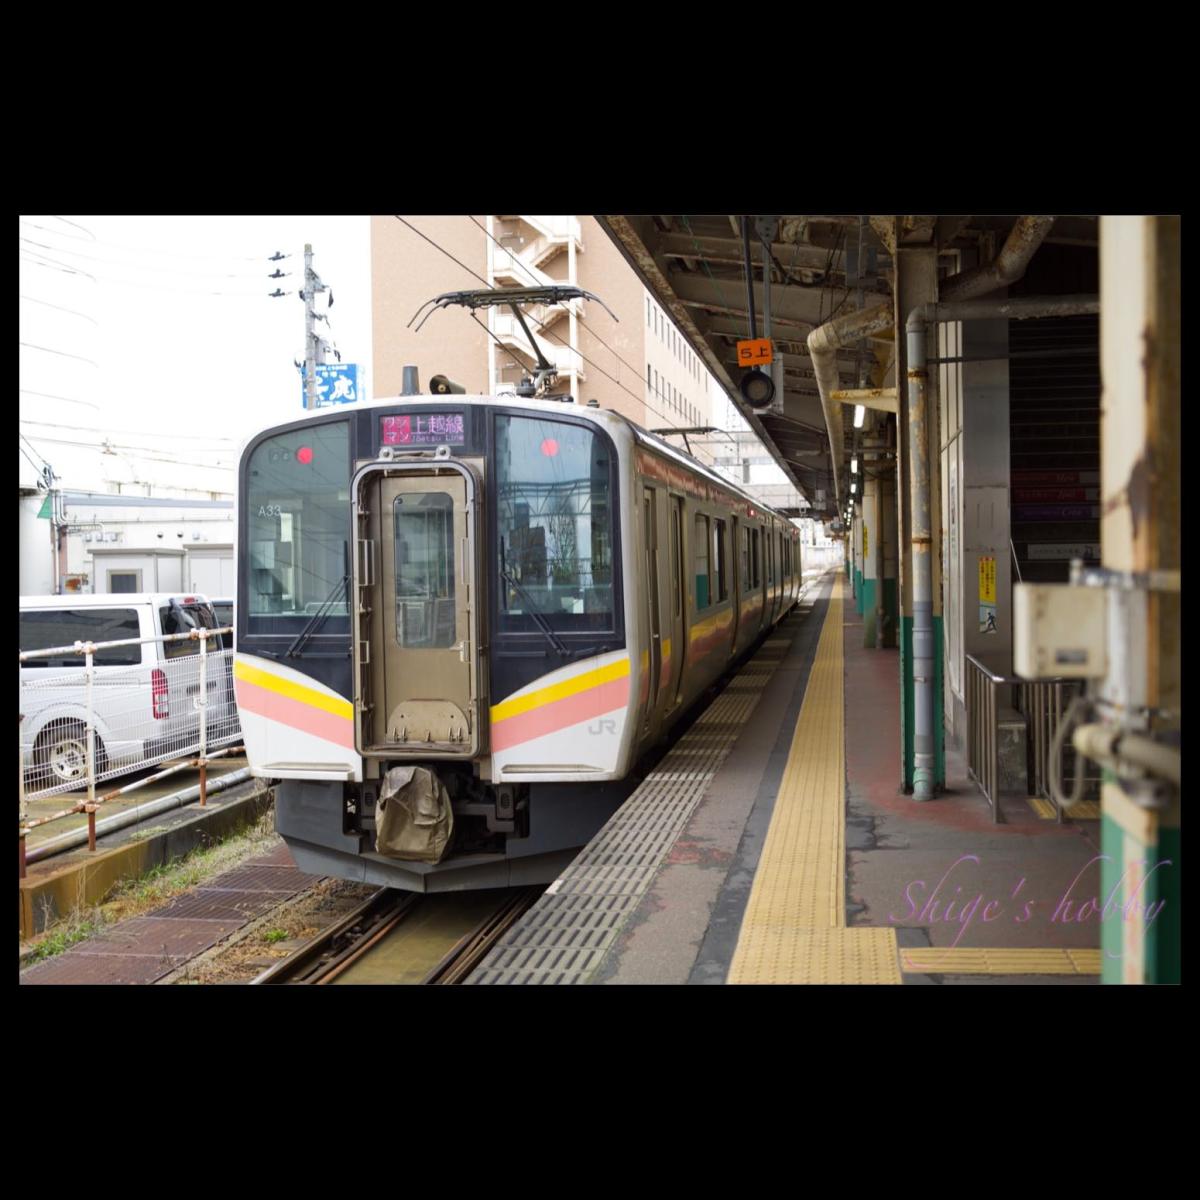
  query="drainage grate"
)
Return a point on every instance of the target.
[
  {"x": 212, "y": 904},
  {"x": 564, "y": 937},
  {"x": 261, "y": 879},
  {"x": 157, "y": 937},
  {"x": 99, "y": 968},
  {"x": 144, "y": 949}
]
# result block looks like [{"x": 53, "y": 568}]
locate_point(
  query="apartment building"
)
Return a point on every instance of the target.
[{"x": 633, "y": 360}]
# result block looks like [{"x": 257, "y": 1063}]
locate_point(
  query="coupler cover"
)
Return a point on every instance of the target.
[{"x": 413, "y": 817}]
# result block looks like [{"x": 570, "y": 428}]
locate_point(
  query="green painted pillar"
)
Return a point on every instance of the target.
[{"x": 869, "y": 547}]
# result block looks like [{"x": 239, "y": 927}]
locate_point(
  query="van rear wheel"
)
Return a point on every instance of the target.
[{"x": 60, "y": 754}]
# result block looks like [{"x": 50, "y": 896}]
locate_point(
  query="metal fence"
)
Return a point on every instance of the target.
[
  {"x": 87, "y": 725},
  {"x": 1043, "y": 704}
]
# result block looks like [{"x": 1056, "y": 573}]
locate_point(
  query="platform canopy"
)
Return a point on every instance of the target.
[{"x": 819, "y": 267}]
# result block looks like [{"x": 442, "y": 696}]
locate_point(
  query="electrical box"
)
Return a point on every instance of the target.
[{"x": 1059, "y": 629}]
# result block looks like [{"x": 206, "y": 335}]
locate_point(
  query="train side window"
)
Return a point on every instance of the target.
[
  {"x": 700, "y": 560},
  {"x": 755, "y": 569},
  {"x": 722, "y": 587},
  {"x": 744, "y": 551}
]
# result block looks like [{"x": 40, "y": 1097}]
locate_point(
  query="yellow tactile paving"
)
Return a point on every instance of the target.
[
  {"x": 1085, "y": 810},
  {"x": 790, "y": 954},
  {"x": 961, "y": 960},
  {"x": 794, "y": 927}
]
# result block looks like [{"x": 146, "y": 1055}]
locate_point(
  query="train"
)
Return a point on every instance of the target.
[{"x": 478, "y": 614}]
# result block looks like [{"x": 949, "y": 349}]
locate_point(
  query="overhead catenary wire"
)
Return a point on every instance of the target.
[
  {"x": 59, "y": 307},
  {"x": 43, "y": 260},
  {"x": 194, "y": 437},
  {"x": 582, "y": 321},
  {"x": 65, "y": 399},
  {"x": 49, "y": 264},
  {"x": 541, "y": 329},
  {"x": 63, "y": 353},
  {"x": 144, "y": 266},
  {"x": 152, "y": 250}
]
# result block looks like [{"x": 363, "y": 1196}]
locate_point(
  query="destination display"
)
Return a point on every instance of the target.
[{"x": 422, "y": 429}]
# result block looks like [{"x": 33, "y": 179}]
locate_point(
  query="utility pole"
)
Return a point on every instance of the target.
[{"x": 314, "y": 346}]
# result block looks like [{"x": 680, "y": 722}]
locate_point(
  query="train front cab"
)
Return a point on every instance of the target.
[{"x": 489, "y": 642}]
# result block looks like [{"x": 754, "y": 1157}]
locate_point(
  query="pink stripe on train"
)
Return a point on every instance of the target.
[
  {"x": 294, "y": 714},
  {"x": 559, "y": 714}
]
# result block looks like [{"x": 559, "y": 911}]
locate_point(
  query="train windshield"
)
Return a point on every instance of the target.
[
  {"x": 553, "y": 525},
  {"x": 298, "y": 527}
]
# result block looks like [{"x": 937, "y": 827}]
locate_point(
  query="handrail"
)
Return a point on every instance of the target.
[
  {"x": 193, "y": 635},
  {"x": 1016, "y": 679},
  {"x": 1042, "y": 703}
]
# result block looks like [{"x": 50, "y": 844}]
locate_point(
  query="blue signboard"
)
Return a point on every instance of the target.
[{"x": 334, "y": 383}]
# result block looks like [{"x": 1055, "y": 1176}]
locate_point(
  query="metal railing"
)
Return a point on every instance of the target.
[
  {"x": 83, "y": 727},
  {"x": 1042, "y": 702}
]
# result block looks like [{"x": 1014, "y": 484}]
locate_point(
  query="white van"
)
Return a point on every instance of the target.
[{"x": 143, "y": 695}]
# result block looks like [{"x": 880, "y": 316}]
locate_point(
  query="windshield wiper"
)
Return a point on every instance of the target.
[
  {"x": 538, "y": 619},
  {"x": 293, "y": 651}
]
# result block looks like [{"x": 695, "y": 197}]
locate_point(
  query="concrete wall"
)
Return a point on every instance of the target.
[{"x": 974, "y": 415}]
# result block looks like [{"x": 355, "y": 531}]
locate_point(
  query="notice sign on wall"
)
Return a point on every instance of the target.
[
  {"x": 987, "y": 594},
  {"x": 866, "y": 553}
]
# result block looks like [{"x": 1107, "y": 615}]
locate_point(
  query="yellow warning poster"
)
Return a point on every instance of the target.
[
  {"x": 987, "y": 580},
  {"x": 987, "y": 594},
  {"x": 865, "y": 554}
]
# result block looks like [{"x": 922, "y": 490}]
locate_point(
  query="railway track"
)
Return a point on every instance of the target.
[{"x": 454, "y": 939}]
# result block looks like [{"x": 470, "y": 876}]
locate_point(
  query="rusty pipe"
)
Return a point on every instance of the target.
[
  {"x": 1007, "y": 267},
  {"x": 131, "y": 816},
  {"x": 823, "y": 345}
]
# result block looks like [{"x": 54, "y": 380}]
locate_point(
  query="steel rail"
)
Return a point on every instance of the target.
[
  {"x": 304, "y": 966},
  {"x": 469, "y": 951}
]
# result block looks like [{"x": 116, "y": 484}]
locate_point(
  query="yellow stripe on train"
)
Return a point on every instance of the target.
[
  {"x": 558, "y": 691},
  {"x": 294, "y": 691}
]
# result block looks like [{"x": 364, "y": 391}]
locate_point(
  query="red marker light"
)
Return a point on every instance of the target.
[
  {"x": 304, "y": 454},
  {"x": 549, "y": 447}
]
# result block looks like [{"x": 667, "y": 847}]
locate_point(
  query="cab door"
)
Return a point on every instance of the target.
[{"x": 424, "y": 639}]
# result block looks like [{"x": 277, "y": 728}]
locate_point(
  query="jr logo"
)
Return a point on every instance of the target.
[{"x": 608, "y": 725}]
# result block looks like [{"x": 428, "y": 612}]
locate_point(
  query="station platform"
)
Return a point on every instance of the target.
[{"x": 772, "y": 844}]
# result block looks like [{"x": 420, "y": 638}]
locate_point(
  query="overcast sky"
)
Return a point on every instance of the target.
[{"x": 164, "y": 326}]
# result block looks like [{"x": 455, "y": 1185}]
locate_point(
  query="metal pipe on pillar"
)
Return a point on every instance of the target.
[{"x": 918, "y": 427}]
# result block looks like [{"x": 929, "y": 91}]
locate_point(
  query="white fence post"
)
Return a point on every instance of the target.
[
  {"x": 22, "y": 810},
  {"x": 203, "y": 716},
  {"x": 89, "y": 650}
]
